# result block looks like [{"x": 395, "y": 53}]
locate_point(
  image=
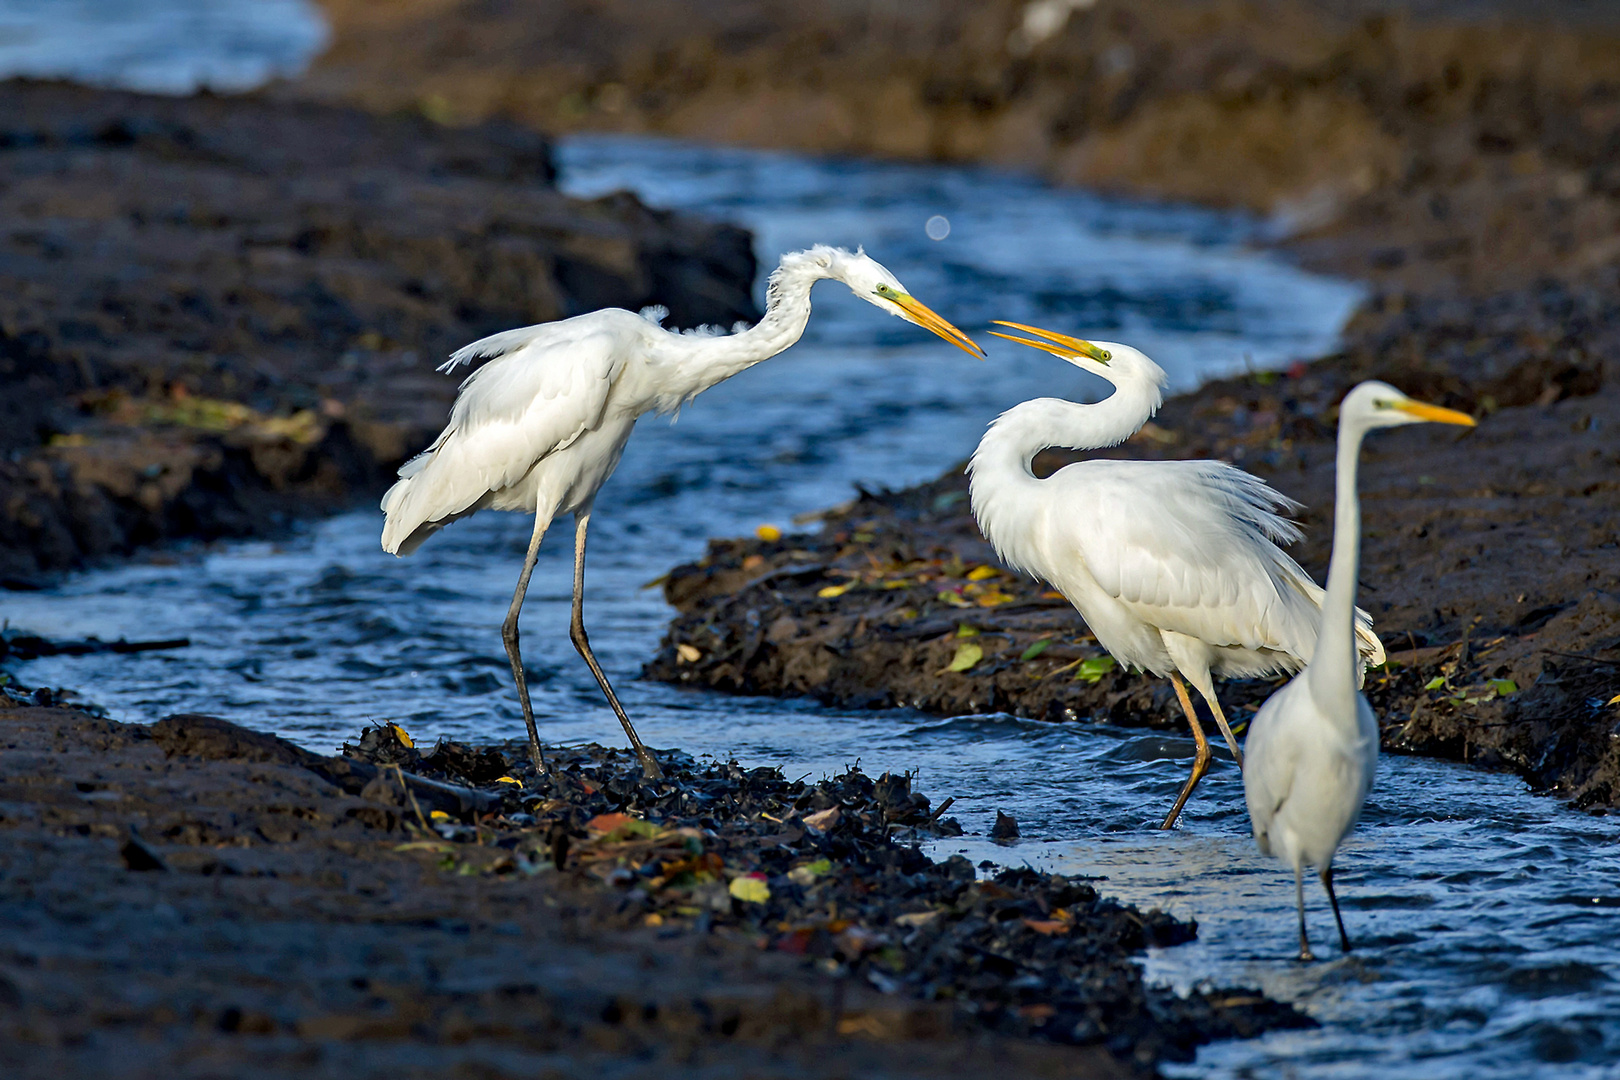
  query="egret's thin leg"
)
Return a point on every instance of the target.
[
  {"x": 576, "y": 632},
  {"x": 1200, "y": 677},
  {"x": 1327, "y": 883},
  {"x": 509, "y": 635},
  {"x": 1299, "y": 899},
  {"x": 1226, "y": 729},
  {"x": 1201, "y": 756}
]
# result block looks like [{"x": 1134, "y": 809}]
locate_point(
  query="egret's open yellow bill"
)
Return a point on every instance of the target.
[
  {"x": 1425, "y": 411},
  {"x": 1057, "y": 344},
  {"x": 928, "y": 320}
]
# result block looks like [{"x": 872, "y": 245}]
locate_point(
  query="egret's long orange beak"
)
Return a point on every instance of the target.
[
  {"x": 1057, "y": 344},
  {"x": 1424, "y": 411},
  {"x": 928, "y": 320}
]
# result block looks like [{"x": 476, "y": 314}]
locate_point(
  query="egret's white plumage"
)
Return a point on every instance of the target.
[
  {"x": 542, "y": 425},
  {"x": 1313, "y": 746},
  {"x": 1174, "y": 565}
]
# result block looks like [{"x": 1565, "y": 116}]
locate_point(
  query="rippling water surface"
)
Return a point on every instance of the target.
[{"x": 1486, "y": 917}]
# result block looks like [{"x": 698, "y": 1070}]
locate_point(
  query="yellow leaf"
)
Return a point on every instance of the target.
[
  {"x": 689, "y": 654},
  {"x": 768, "y": 532},
  {"x": 835, "y": 590},
  {"x": 979, "y": 573},
  {"x": 992, "y": 598},
  {"x": 439, "y": 815},
  {"x": 954, "y": 599},
  {"x": 399, "y": 733},
  {"x": 507, "y": 780},
  {"x": 750, "y": 889},
  {"x": 1615, "y": 700},
  {"x": 967, "y": 654}
]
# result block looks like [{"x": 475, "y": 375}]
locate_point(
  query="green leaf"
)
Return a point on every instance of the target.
[
  {"x": 1036, "y": 649},
  {"x": 1095, "y": 668},
  {"x": 1435, "y": 683},
  {"x": 1504, "y": 687},
  {"x": 964, "y": 630},
  {"x": 807, "y": 874},
  {"x": 967, "y": 654}
]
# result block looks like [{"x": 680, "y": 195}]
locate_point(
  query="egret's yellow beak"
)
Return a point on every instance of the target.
[
  {"x": 1425, "y": 411},
  {"x": 924, "y": 317},
  {"x": 1057, "y": 344}
]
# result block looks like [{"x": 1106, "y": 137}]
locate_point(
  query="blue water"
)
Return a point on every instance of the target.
[
  {"x": 1485, "y": 917},
  {"x": 160, "y": 46}
]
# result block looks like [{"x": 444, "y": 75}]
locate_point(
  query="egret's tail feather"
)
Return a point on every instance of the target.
[{"x": 414, "y": 510}]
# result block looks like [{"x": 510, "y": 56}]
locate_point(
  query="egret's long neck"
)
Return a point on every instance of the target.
[
  {"x": 1002, "y": 481},
  {"x": 1334, "y": 664},
  {"x": 702, "y": 362}
]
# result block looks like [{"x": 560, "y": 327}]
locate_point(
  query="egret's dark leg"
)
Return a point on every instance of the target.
[
  {"x": 1327, "y": 883},
  {"x": 509, "y": 634},
  {"x": 576, "y": 633},
  {"x": 1201, "y": 755},
  {"x": 1299, "y": 899}
]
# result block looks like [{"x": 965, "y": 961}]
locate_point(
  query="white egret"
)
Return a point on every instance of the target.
[
  {"x": 1313, "y": 746},
  {"x": 540, "y": 427},
  {"x": 1173, "y": 564}
]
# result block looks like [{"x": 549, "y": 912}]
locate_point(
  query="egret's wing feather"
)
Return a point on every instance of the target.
[
  {"x": 1191, "y": 543},
  {"x": 547, "y": 386},
  {"x": 1193, "y": 546}
]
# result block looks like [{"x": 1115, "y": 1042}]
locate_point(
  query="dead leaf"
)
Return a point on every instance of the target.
[
  {"x": 823, "y": 820},
  {"x": 916, "y": 918}
]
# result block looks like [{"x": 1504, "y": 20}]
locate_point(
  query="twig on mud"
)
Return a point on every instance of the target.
[
  {"x": 411, "y": 795},
  {"x": 1582, "y": 656}
]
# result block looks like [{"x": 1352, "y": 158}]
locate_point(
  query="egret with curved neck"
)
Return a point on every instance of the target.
[
  {"x": 1313, "y": 746},
  {"x": 541, "y": 426},
  {"x": 1174, "y": 565}
]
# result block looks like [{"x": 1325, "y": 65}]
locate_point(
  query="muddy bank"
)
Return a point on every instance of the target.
[
  {"x": 1491, "y": 563},
  {"x": 218, "y": 312},
  {"x": 192, "y": 898},
  {"x": 1340, "y": 119}
]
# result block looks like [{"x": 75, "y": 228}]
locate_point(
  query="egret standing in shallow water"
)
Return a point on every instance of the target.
[
  {"x": 540, "y": 427},
  {"x": 1173, "y": 564},
  {"x": 1313, "y": 746}
]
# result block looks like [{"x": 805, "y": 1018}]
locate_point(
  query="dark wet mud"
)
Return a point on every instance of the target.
[
  {"x": 1413, "y": 137},
  {"x": 193, "y": 897},
  {"x": 218, "y": 312},
  {"x": 1491, "y": 562}
]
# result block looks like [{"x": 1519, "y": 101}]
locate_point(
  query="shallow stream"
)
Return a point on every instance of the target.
[{"x": 1486, "y": 918}]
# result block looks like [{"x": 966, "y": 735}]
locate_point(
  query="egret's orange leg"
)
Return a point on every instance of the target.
[{"x": 1201, "y": 756}]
